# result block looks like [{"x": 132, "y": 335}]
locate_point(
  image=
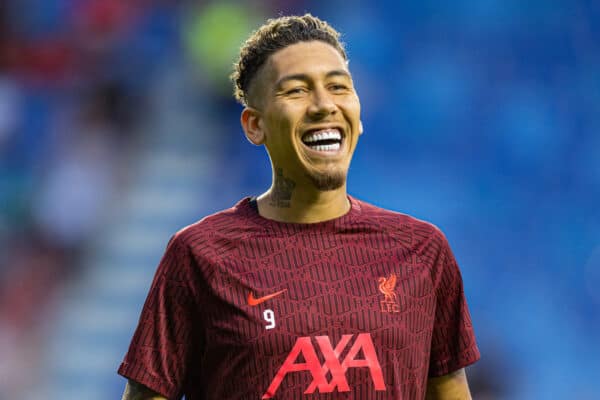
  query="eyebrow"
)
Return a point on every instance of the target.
[{"x": 305, "y": 77}]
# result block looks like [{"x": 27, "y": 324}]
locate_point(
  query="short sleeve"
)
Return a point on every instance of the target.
[
  {"x": 453, "y": 343},
  {"x": 162, "y": 347}
]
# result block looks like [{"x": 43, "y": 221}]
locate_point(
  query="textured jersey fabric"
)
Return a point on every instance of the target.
[{"x": 365, "y": 306}]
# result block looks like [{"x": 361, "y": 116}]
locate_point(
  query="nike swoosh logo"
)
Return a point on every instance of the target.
[{"x": 253, "y": 301}]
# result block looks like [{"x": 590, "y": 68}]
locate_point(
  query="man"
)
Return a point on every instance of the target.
[{"x": 304, "y": 291}]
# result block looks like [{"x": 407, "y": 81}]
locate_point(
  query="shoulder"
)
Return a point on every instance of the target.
[
  {"x": 395, "y": 221},
  {"x": 225, "y": 224}
]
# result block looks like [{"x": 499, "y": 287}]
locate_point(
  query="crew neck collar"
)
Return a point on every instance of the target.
[{"x": 250, "y": 204}]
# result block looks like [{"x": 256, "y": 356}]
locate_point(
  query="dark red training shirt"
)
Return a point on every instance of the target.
[{"x": 365, "y": 306}]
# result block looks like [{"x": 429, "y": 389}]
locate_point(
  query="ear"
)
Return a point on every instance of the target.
[
  {"x": 251, "y": 121},
  {"x": 360, "y": 127}
]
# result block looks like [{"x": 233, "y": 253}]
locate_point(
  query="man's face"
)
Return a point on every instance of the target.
[{"x": 309, "y": 114}]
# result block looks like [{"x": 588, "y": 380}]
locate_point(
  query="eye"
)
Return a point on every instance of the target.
[
  {"x": 296, "y": 90},
  {"x": 338, "y": 87}
]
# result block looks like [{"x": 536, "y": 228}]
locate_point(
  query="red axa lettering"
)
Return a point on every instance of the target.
[{"x": 331, "y": 365}]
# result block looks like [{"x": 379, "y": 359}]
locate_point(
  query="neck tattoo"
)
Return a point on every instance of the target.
[{"x": 281, "y": 196}]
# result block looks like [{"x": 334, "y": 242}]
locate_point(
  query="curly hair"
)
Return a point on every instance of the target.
[{"x": 274, "y": 35}]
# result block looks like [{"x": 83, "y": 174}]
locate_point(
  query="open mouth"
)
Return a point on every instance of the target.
[{"x": 328, "y": 140}]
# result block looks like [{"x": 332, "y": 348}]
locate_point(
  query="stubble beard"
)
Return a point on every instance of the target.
[{"x": 329, "y": 180}]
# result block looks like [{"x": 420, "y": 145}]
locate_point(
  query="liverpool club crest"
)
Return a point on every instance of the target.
[{"x": 387, "y": 286}]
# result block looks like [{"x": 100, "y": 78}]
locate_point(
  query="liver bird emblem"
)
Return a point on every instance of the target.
[{"x": 387, "y": 287}]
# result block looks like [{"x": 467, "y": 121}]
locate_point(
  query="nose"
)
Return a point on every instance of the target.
[{"x": 322, "y": 104}]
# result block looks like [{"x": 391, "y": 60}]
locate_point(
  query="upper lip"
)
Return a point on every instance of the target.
[{"x": 324, "y": 127}]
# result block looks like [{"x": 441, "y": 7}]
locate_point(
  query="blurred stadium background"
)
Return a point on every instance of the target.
[{"x": 117, "y": 128}]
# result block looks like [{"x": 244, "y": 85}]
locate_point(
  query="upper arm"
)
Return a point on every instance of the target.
[
  {"x": 162, "y": 350},
  {"x": 453, "y": 386},
  {"x": 453, "y": 344},
  {"x": 137, "y": 391}
]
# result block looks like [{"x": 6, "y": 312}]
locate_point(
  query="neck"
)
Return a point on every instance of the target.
[{"x": 288, "y": 203}]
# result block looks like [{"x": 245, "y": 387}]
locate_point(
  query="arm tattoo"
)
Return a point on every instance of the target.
[
  {"x": 282, "y": 192},
  {"x": 137, "y": 391}
]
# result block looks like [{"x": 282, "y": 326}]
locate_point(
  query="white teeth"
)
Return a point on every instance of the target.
[
  {"x": 323, "y": 135},
  {"x": 327, "y": 147}
]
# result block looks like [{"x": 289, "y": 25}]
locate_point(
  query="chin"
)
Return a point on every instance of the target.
[{"x": 329, "y": 181}]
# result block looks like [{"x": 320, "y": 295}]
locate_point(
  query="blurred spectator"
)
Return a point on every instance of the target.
[
  {"x": 10, "y": 108},
  {"x": 64, "y": 129},
  {"x": 9, "y": 92},
  {"x": 81, "y": 178},
  {"x": 32, "y": 271}
]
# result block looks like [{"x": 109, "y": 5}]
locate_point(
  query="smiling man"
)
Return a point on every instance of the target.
[
  {"x": 303, "y": 107},
  {"x": 303, "y": 292}
]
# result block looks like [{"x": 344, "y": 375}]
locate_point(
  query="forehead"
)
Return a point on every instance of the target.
[{"x": 310, "y": 58}]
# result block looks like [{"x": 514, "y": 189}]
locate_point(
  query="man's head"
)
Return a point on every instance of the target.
[
  {"x": 275, "y": 35},
  {"x": 300, "y": 100}
]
